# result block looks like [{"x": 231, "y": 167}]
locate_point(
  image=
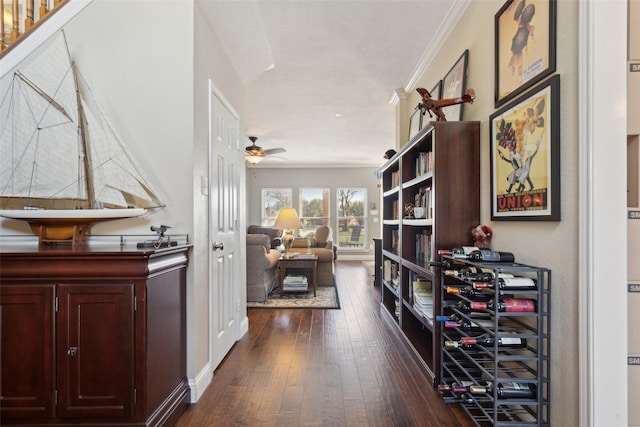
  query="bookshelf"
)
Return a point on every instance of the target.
[{"x": 439, "y": 169}]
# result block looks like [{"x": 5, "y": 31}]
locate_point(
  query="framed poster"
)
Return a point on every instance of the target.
[
  {"x": 415, "y": 122},
  {"x": 454, "y": 85},
  {"x": 525, "y": 156},
  {"x": 522, "y": 57}
]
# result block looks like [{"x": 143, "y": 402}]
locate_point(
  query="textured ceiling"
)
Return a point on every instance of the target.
[{"x": 305, "y": 62}]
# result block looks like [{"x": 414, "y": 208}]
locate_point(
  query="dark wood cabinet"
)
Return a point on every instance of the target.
[
  {"x": 95, "y": 337},
  {"x": 27, "y": 361}
]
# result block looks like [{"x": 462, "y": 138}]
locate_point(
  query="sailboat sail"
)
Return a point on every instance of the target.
[{"x": 57, "y": 149}]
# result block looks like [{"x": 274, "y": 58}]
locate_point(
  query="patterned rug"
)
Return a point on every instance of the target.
[{"x": 327, "y": 297}]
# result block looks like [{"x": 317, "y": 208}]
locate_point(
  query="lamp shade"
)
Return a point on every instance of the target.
[{"x": 288, "y": 220}]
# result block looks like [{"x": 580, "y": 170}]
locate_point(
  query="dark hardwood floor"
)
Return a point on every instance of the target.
[{"x": 299, "y": 367}]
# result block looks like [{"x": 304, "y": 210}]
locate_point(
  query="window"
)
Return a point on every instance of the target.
[
  {"x": 274, "y": 199},
  {"x": 314, "y": 209},
  {"x": 351, "y": 206}
]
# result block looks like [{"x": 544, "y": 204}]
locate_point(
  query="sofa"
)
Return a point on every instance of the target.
[
  {"x": 262, "y": 267},
  {"x": 322, "y": 246}
]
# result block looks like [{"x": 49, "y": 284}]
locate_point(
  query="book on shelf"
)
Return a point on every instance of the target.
[
  {"x": 423, "y": 296},
  {"x": 423, "y": 163},
  {"x": 295, "y": 279},
  {"x": 395, "y": 178},
  {"x": 295, "y": 282},
  {"x": 423, "y": 246},
  {"x": 395, "y": 239},
  {"x": 390, "y": 272}
]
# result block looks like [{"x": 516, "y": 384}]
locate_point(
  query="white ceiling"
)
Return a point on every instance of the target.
[{"x": 304, "y": 62}]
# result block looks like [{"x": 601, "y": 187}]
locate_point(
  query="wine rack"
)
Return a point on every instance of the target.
[
  {"x": 487, "y": 368},
  {"x": 438, "y": 170}
]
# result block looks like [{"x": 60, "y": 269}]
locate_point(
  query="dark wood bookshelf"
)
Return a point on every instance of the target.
[{"x": 439, "y": 167}]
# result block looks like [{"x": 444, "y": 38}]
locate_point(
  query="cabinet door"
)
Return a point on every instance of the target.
[
  {"x": 26, "y": 353},
  {"x": 95, "y": 351}
]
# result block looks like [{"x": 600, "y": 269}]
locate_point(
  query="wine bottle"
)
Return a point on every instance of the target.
[
  {"x": 456, "y": 399},
  {"x": 508, "y": 390},
  {"x": 447, "y": 264},
  {"x": 487, "y": 275},
  {"x": 472, "y": 272},
  {"x": 469, "y": 292},
  {"x": 456, "y": 318},
  {"x": 469, "y": 325},
  {"x": 507, "y": 305},
  {"x": 507, "y": 283},
  {"x": 487, "y": 255},
  {"x": 460, "y": 252},
  {"x": 464, "y": 386},
  {"x": 453, "y": 273},
  {"x": 488, "y": 341},
  {"x": 462, "y": 306}
]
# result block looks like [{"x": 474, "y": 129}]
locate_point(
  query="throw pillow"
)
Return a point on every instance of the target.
[{"x": 322, "y": 235}]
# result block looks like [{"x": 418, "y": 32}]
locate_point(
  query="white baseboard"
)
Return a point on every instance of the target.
[
  {"x": 244, "y": 327},
  {"x": 354, "y": 257},
  {"x": 200, "y": 383}
]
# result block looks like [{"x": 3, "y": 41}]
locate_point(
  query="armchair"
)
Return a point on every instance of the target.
[
  {"x": 322, "y": 246},
  {"x": 262, "y": 266}
]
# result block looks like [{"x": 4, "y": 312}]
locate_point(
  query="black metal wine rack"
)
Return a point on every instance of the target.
[{"x": 492, "y": 365}]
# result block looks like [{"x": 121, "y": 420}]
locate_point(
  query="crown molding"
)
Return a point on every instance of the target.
[{"x": 442, "y": 34}]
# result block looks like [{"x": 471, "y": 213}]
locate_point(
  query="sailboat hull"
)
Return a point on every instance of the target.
[{"x": 67, "y": 226}]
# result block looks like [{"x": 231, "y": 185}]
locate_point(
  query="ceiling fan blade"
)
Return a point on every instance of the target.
[{"x": 274, "y": 151}]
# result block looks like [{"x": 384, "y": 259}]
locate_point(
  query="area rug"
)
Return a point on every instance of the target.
[{"x": 327, "y": 297}]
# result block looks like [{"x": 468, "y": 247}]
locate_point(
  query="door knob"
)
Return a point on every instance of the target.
[{"x": 218, "y": 246}]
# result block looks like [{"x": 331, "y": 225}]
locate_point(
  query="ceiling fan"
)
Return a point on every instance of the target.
[{"x": 254, "y": 153}]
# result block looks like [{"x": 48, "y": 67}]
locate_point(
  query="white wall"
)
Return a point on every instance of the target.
[
  {"x": 145, "y": 91},
  {"x": 148, "y": 64},
  {"x": 565, "y": 247}
]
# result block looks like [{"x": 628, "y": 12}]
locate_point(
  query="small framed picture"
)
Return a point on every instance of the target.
[
  {"x": 525, "y": 156},
  {"x": 522, "y": 60},
  {"x": 454, "y": 85},
  {"x": 415, "y": 122}
]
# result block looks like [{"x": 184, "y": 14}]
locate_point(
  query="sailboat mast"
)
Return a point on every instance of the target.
[{"x": 84, "y": 143}]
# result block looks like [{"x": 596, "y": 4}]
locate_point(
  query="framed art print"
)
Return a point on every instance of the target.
[
  {"x": 525, "y": 46},
  {"x": 454, "y": 85},
  {"x": 415, "y": 122},
  {"x": 525, "y": 156}
]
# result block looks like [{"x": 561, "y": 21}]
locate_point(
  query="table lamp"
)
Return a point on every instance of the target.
[{"x": 288, "y": 221}]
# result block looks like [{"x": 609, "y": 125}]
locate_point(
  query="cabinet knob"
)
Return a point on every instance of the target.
[
  {"x": 218, "y": 246},
  {"x": 72, "y": 351}
]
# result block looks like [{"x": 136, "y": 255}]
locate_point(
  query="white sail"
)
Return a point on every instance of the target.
[{"x": 48, "y": 119}]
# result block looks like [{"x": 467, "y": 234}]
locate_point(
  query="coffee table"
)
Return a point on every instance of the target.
[{"x": 307, "y": 265}]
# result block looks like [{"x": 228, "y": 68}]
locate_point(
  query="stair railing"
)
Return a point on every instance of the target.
[{"x": 20, "y": 18}]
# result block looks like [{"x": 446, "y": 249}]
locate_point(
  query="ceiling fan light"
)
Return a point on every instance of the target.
[{"x": 254, "y": 159}]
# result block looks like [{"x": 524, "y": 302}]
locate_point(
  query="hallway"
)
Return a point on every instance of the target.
[{"x": 299, "y": 367}]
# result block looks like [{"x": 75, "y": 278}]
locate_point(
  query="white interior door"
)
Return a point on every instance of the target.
[{"x": 224, "y": 184}]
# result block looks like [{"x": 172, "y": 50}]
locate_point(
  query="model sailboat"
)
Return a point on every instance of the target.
[{"x": 62, "y": 166}]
